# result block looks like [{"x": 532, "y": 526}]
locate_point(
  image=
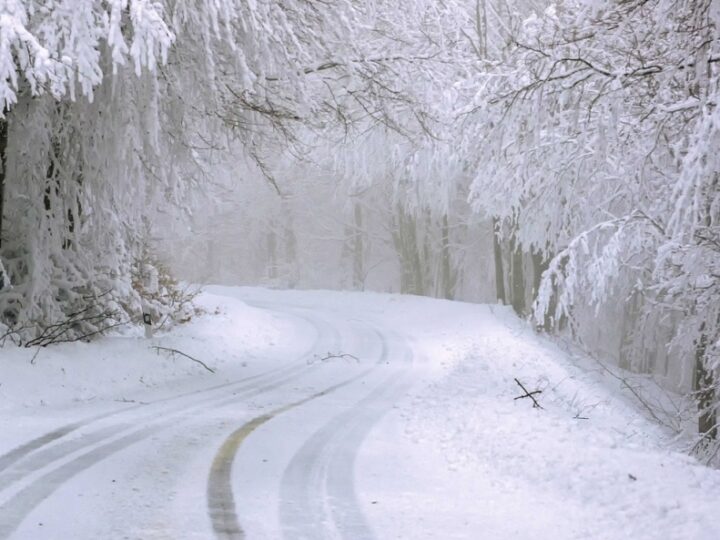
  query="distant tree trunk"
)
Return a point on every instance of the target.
[
  {"x": 3, "y": 171},
  {"x": 290, "y": 244},
  {"x": 499, "y": 272},
  {"x": 705, "y": 381},
  {"x": 212, "y": 260},
  {"x": 291, "y": 253},
  {"x": 517, "y": 276},
  {"x": 418, "y": 256},
  {"x": 630, "y": 313},
  {"x": 272, "y": 252},
  {"x": 448, "y": 277},
  {"x": 705, "y": 389},
  {"x": 539, "y": 265},
  {"x": 408, "y": 250},
  {"x": 358, "y": 250},
  {"x": 75, "y": 210}
]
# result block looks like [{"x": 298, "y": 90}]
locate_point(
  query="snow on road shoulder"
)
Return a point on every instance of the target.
[
  {"x": 476, "y": 463},
  {"x": 69, "y": 381}
]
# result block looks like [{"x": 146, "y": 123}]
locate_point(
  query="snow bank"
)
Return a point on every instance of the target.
[
  {"x": 477, "y": 463},
  {"x": 230, "y": 337}
]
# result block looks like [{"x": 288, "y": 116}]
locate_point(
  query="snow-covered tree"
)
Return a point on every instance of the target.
[
  {"x": 600, "y": 154},
  {"x": 113, "y": 108}
]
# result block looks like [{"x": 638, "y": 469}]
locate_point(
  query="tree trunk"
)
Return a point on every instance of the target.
[
  {"x": 704, "y": 377},
  {"x": 705, "y": 389},
  {"x": 358, "y": 250},
  {"x": 4, "y": 280},
  {"x": 3, "y": 171},
  {"x": 272, "y": 266},
  {"x": 291, "y": 252},
  {"x": 406, "y": 244},
  {"x": 499, "y": 272},
  {"x": 517, "y": 276},
  {"x": 539, "y": 263},
  {"x": 447, "y": 277}
]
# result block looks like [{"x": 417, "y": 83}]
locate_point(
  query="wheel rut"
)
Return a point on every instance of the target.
[
  {"x": 323, "y": 465},
  {"x": 55, "y": 451}
]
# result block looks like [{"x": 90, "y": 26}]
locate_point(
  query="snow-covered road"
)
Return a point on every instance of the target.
[
  {"x": 307, "y": 488},
  {"x": 290, "y": 430},
  {"x": 334, "y": 415}
]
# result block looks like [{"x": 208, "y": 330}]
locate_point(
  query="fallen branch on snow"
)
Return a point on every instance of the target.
[
  {"x": 173, "y": 352},
  {"x": 529, "y": 394},
  {"x": 330, "y": 355}
]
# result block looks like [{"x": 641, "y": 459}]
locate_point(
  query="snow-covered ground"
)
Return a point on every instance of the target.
[{"x": 335, "y": 415}]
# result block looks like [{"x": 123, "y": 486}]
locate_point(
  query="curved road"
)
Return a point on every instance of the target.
[{"x": 266, "y": 456}]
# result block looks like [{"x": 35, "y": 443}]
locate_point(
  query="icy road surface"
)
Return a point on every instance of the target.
[{"x": 335, "y": 415}]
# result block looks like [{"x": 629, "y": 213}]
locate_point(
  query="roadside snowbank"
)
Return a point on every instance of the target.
[
  {"x": 69, "y": 381},
  {"x": 477, "y": 463}
]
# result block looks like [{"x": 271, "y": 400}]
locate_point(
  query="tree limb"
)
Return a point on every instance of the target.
[
  {"x": 173, "y": 352},
  {"x": 529, "y": 394}
]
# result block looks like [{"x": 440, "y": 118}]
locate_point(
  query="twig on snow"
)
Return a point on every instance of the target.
[
  {"x": 125, "y": 400},
  {"x": 173, "y": 352},
  {"x": 330, "y": 355},
  {"x": 635, "y": 393},
  {"x": 530, "y": 395}
]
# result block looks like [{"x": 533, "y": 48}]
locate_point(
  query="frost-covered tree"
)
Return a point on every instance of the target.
[
  {"x": 72, "y": 153},
  {"x": 383, "y": 144},
  {"x": 112, "y": 110},
  {"x": 601, "y": 154}
]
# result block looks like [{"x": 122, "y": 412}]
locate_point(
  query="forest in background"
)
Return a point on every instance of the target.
[{"x": 559, "y": 157}]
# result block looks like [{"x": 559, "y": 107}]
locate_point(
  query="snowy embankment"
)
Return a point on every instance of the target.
[
  {"x": 477, "y": 463},
  {"x": 48, "y": 385},
  {"x": 456, "y": 457}
]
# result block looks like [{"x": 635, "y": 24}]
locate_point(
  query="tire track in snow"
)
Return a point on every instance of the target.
[
  {"x": 220, "y": 497},
  {"x": 46, "y": 456},
  {"x": 318, "y": 499},
  {"x": 221, "y": 501},
  {"x": 13, "y": 456},
  {"x": 14, "y": 510},
  {"x": 20, "y": 452}
]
